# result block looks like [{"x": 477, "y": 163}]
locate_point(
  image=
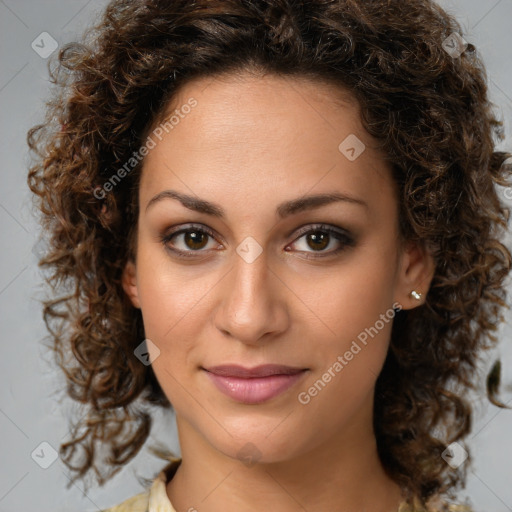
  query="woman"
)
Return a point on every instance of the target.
[{"x": 279, "y": 217}]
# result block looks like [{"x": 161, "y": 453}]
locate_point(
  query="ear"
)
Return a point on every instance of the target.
[
  {"x": 129, "y": 282},
  {"x": 417, "y": 268}
]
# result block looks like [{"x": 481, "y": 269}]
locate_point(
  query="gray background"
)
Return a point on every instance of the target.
[{"x": 32, "y": 408}]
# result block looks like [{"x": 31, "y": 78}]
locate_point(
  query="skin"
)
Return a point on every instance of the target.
[{"x": 251, "y": 143}]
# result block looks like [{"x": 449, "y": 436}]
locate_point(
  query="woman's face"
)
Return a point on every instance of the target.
[{"x": 283, "y": 250}]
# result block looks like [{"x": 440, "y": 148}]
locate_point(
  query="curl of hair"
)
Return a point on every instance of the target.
[{"x": 428, "y": 110}]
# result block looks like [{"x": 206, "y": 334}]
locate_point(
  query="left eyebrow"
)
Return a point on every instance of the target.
[
  {"x": 283, "y": 210},
  {"x": 315, "y": 201}
]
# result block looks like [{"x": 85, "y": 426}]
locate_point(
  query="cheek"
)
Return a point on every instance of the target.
[
  {"x": 163, "y": 303},
  {"x": 171, "y": 323},
  {"x": 350, "y": 354},
  {"x": 355, "y": 295},
  {"x": 168, "y": 292},
  {"x": 356, "y": 322},
  {"x": 176, "y": 306}
]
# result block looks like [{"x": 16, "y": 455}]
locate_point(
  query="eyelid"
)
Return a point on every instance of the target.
[
  {"x": 189, "y": 227},
  {"x": 320, "y": 227}
]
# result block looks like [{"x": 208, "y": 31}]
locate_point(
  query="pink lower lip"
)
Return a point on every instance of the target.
[{"x": 254, "y": 390}]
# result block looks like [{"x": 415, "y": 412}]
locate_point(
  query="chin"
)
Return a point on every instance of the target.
[{"x": 266, "y": 446}]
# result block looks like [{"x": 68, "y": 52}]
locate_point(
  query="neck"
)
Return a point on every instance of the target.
[{"x": 339, "y": 474}]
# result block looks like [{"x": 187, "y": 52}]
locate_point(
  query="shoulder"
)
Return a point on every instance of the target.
[
  {"x": 153, "y": 498},
  {"x": 137, "y": 503}
]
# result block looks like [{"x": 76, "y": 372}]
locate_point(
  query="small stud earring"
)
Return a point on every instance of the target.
[{"x": 415, "y": 295}]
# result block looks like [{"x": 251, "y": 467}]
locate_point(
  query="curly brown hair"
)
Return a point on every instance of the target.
[{"x": 428, "y": 109}]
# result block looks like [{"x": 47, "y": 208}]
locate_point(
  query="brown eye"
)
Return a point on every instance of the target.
[
  {"x": 316, "y": 239},
  {"x": 186, "y": 241},
  {"x": 195, "y": 239}
]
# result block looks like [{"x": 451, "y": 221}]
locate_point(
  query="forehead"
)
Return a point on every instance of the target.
[
  {"x": 238, "y": 104},
  {"x": 260, "y": 136}
]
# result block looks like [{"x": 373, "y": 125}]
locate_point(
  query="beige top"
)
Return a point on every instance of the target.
[{"x": 155, "y": 498}]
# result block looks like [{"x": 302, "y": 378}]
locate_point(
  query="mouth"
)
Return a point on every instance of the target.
[{"x": 254, "y": 385}]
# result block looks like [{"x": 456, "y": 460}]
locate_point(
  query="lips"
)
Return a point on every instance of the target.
[
  {"x": 254, "y": 385},
  {"x": 264, "y": 370}
]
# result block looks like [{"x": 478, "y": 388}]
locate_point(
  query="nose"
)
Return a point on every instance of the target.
[{"x": 253, "y": 305}]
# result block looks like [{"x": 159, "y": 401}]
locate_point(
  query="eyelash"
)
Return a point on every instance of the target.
[{"x": 344, "y": 238}]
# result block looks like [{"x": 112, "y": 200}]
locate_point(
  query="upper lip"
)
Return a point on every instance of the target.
[{"x": 265, "y": 370}]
